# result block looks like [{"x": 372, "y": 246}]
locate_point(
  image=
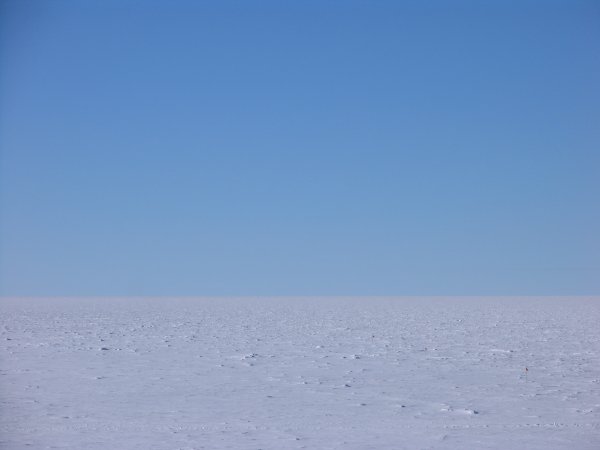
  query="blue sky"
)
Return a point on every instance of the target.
[{"x": 299, "y": 148}]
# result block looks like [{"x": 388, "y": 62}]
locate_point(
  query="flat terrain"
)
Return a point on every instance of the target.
[{"x": 300, "y": 373}]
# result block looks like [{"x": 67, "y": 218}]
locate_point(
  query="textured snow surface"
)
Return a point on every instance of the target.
[{"x": 300, "y": 373}]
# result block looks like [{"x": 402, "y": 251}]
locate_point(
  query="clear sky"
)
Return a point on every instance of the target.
[{"x": 299, "y": 148}]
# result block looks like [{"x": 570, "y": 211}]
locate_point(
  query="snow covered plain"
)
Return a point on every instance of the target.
[{"x": 313, "y": 373}]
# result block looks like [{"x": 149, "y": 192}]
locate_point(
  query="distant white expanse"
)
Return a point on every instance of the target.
[{"x": 360, "y": 373}]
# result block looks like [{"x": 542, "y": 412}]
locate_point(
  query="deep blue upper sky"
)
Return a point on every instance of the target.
[{"x": 299, "y": 148}]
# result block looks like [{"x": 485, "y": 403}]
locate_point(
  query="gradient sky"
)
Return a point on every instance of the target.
[{"x": 299, "y": 148}]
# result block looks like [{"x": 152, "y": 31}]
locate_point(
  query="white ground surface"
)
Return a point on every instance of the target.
[{"x": 292, "y": 373}]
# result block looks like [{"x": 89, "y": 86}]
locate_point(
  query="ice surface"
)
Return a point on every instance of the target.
[{"x": 300, "y": 373}]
